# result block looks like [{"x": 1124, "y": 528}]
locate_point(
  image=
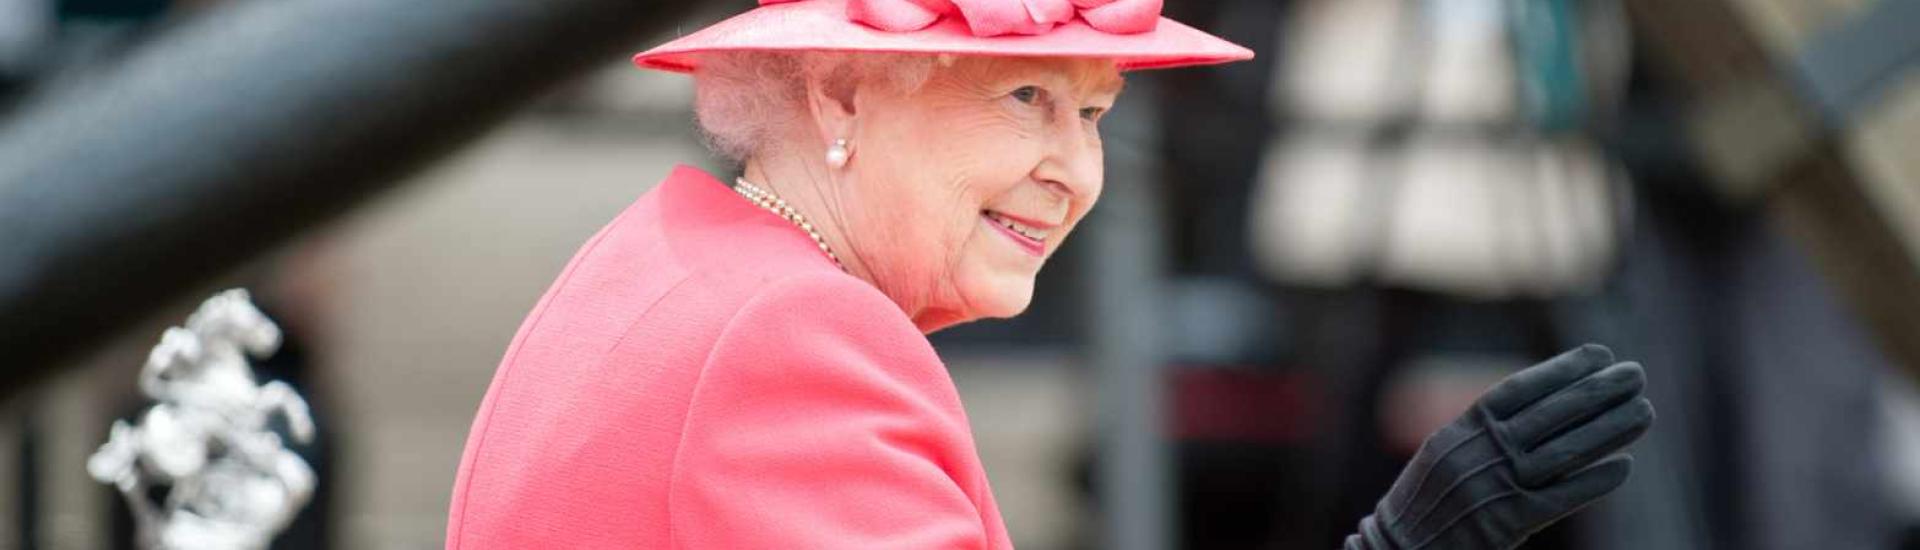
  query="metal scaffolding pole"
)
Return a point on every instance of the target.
[
  {"x": 236, "y": 131},
  {"x": 1124, "y": 272}
]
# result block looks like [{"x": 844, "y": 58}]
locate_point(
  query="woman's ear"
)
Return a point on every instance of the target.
[{"x": 832, "y": 100}]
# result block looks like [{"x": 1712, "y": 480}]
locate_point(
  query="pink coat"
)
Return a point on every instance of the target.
[{"x": 701, "y": 376}]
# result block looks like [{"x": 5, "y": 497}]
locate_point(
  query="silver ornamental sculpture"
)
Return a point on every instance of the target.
[{"x": 231, "y": 483}]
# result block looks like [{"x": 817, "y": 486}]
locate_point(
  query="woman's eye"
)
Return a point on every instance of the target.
[
  {"x": 1026, "y": 94},
  {"x": 1092, "y": 113}
]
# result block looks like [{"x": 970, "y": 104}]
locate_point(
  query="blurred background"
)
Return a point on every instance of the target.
[{"x": 1302, "y": 266}]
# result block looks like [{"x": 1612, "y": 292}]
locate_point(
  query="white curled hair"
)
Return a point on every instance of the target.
[{"x": 745, "y": 99}]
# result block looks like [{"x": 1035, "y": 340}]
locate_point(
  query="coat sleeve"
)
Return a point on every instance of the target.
[{"x": 823, "y": 419}]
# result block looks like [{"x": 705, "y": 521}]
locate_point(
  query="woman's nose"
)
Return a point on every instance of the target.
[{"x": 1072, "y": 166}]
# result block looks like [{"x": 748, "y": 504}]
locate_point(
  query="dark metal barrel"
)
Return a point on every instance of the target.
[{"x": 239, "y": 129}]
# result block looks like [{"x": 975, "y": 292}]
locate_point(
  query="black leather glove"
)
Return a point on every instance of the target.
[{"x": 1536, "y": 447}]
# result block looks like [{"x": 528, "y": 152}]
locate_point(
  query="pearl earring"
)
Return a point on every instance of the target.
[{"x": 837, "y": 153}]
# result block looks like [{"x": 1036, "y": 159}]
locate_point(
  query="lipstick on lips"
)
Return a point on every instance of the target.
[{"x": 1030, "y": 235}]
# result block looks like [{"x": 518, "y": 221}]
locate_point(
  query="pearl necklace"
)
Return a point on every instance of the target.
[{"x": 773, "y": 203}]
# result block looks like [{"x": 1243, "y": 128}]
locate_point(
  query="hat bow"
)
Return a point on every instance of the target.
[{"x": 1003, "y": 17}]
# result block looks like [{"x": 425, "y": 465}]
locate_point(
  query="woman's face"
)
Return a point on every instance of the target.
[{"x": 971, "y": 182}]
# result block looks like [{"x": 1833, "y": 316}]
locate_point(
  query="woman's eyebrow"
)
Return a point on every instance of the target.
[{"x": 1110, "y": 86}]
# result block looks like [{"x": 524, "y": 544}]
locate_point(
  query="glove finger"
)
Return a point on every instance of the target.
[
  {"x": 1573, "y": 405},
  {"x": 1575, "y": 491},
  {"x": 1604, "y": 435},
  {"x": 1538, "y": 381}
]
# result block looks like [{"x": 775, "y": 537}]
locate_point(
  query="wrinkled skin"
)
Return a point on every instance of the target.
[{"x": 914, "y": 209}]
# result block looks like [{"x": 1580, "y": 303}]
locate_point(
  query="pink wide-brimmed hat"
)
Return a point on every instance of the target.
[{"x": 1130, "y": 32}]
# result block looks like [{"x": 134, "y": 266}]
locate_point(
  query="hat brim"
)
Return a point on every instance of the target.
[{"x": 822, "y": 25}]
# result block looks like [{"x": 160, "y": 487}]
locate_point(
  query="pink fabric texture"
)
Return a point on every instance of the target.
[
  {"x": 1129, "y": 32},
  {"x": 701, "y": 376},
  {"x": 998, "y": 17}
]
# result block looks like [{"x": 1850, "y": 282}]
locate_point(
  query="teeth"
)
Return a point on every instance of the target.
[{"x": 1017, "y": 227}]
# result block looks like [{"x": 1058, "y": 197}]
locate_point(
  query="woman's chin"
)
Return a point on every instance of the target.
[{"x": 1009, "y": 296}]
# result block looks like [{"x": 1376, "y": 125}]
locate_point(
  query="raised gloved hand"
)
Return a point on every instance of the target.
[{"x": 1536, "y": 447}]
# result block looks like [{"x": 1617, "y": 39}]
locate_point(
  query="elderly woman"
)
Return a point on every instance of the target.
[{"x": 745, "y": 366}]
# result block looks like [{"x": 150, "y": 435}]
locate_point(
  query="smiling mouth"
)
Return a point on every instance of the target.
[{"x": 1022, "y": 232}]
